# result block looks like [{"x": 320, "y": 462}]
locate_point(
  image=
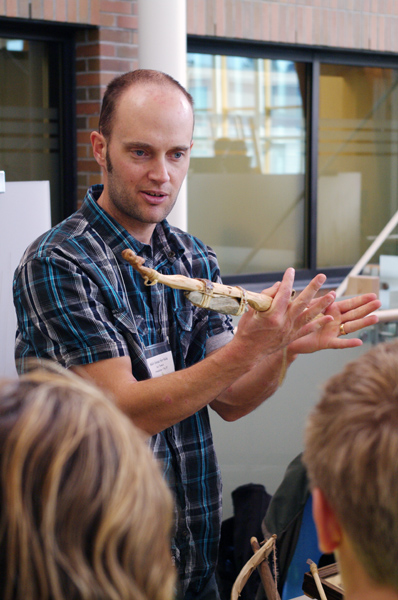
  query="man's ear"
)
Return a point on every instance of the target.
[
  {"x": 327, "y": 525},
  {"x": 98, "y": 143}
]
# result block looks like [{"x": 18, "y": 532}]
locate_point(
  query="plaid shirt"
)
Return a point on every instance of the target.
[{"x": 77, "y": 302}]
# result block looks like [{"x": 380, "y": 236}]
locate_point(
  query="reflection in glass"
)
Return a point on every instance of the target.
[
  {"x": 358, "y": 161},
  {"x": 246, "y": 179},
  {"x": 29, "y": 115}
]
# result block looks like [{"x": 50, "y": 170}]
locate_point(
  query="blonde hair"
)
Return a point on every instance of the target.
[
  {"x": 351, "y": 453},
  {"x": 85, "y": 513}
]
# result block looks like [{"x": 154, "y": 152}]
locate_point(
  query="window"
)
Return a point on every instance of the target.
[
  {"x": 36, "y": 123},
  {"x": 357, "y": 160},
  {"x": 295, "y": 157}
]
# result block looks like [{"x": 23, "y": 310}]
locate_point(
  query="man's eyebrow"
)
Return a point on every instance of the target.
[
  {"x": 140, "y": 145},
  {"x": 179, "y": 148},
  {"x": 145, "y": 146}
]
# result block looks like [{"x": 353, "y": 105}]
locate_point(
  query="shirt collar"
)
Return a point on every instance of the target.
[{"x": 164, "y": 239}]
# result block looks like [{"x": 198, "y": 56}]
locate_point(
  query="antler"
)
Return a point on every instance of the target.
[{"x": 202, "y": 292}]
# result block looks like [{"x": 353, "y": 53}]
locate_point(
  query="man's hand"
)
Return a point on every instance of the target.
[
  {"x": 353, "y": 313},
  {"x": 263, "y": 333}
]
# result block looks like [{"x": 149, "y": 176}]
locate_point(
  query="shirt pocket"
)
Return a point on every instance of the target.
[
  {"x": 128, "y": 327},
  {"x": 184, "y": 319}
]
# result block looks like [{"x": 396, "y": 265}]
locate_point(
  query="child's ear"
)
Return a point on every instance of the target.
[{"x": 327, "y": 524}]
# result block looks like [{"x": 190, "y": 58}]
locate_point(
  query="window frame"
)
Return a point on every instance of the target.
[
  {"x": 65, "y": 36},
  {"x": 313, "y": 57}
]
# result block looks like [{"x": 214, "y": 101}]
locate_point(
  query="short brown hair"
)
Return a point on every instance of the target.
[
  {"x": 351, "y": 453},
  {"x": 123, "y": 82},
  {"x": 84, "y": 510}
]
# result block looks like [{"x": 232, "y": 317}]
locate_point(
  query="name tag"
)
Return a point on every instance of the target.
[{"x": 160, "y": 359}]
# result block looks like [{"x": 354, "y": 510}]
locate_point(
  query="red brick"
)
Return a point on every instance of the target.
[
  {"x": 95, "y": 12},
  {"x": 91, "y": 49},
  {"x": 332, "y": 27},
  {"x": 126, "y": 51},
  {"x": 238, "y": 32},
  {"x": 292, "y": 17},
  {"x": 87, "y": 165},
  {"x": 282, "y": 30},
  {"x": 265, "y": 18},
  {"x": 247, "y": 19},
  {"x": 116, "y": 7},
  {"x": 48, "y": 10},
  {"x": 95, "y": 178},
  {"x": 118, "y": 36},
  {"x": 83, "y": 11},
  {"x": 381, "y": 33},
  {"x": 220, "y": 18},
  {"x": 71, "y": 11},
  {"x": 317, "y": 31},
  {"x": 23, "y": 11},
  {"x": 106, "y": 20},
  {"x": 37, "y": 12},
  {"x": 92, "y": 122},
  {"x": 257, "y": 21},
  {"x": 200, "y": 17},
  {"x": 230, "y": 20},
  {"x": 365, "y": 31},
  {"x": 373, "y": 32},
  {"x": 274, "y": 23},
  {"x": 81, "y": 66},
  {"x": 82, "y": 152},
  {"x": 349, "y": 30},
  {"x": 105, "y": 64},
  {"x": 87, "y": 108},
  {"x": 210, "y": 17},
  {"x": 83, "y": 137},
  {"x": 127, "y": 22},
  {"x": 83, "y": 79}
]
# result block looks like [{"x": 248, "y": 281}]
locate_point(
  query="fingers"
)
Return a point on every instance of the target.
[
  {"x": 314, "y": 325},
  {"x": 310, "y": 291},
  {"x": 342, "y": 343},
  {"x": 357, "y": 324},
  {"x": 307, "y": 305},
  {"x": 366, "y": 300},
  {"x": 357, "y": 310},
  {"x": 271, "y": 291},
  {"x": 282, "y": 295}
]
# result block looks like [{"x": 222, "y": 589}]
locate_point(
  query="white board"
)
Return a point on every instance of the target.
[{"x": 25, "y": 214}]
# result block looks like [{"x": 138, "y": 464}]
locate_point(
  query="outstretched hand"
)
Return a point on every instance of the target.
[
  {"x": 263, "y": 333},
  {"x": 352, "y": 313}
]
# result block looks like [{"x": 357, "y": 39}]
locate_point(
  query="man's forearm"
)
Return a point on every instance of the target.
[
  {"x": 158, "y": 403},
  {"x": 253, "y": 388}
]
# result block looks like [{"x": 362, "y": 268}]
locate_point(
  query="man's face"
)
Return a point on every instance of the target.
[{"x": 147, "y": 156}]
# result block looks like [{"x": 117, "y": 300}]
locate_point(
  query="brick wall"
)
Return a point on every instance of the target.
[
  {"x": 111, "y": 47},
  {"x": 355, "y": 24},
  {"x": 101, "y": 54}
]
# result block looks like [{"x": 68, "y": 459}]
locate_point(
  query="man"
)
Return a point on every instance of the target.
[
  {"x": 79, "y": 303},
  {"x": 351, "y": 451}
]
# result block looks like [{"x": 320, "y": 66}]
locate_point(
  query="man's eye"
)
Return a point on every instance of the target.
[
  {"x": 178, "y": 154},
  {"x": 139, "y": 152}
]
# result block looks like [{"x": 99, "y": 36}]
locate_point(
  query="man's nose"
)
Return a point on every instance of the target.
[{"x": 159, "y": 171}]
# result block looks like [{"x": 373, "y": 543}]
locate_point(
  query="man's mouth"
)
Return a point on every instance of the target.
[{"x": 154, "y": 197}]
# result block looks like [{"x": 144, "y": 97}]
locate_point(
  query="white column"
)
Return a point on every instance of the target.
[{"x": 162, "y": 45}]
